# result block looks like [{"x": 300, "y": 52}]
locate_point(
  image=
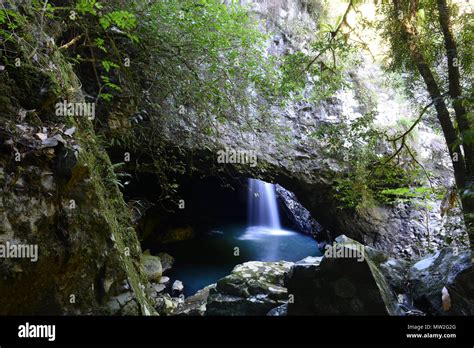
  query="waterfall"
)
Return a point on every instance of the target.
[{"x": 263, "y": 209}]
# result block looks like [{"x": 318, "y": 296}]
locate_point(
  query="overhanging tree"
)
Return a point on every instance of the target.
[{"x": 414, "y": 39}]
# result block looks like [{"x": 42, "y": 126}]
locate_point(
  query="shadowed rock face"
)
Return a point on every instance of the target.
[
  {"x": 59, "y": 195},
  {"x": 447, "y": 268},
  {"x": 340, "y": 285},
  {"x": 380, "y": 285},
  {"x": 461, "y": 291},
  {"x": 299, "y": 217}
]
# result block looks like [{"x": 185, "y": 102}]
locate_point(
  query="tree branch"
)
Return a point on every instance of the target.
[
  {"x": 333, "y": 34},
  {"x": 71, "y": 43}
]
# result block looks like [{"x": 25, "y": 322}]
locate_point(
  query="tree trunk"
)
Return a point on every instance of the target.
[
  {"x": 455, "y": 92},
  {"x": 462, "y": 175}
]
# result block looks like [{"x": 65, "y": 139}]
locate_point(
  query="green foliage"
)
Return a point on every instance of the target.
[
  {"x": 368, "y": 179},
  {"x": 207, "y": 54},
  {"x": 91, "y": 19},
  {"x": 88, "y": 7},
  {"x": 387, "y": 184},
  {"x": 107, "y": 65},
  {"x": 429, "y": 40},
  {"x": 97, "y": 21},
  {"x": 122, "y": 19},
  {"x": 407, "y": 193},
  {"x": 191, "y": 60},
  {"x": 325, "y": 66},
  {"x": 117, "y": 175},
  {"x": 10, "y": 21},
  {"x": 195, "y": 63}
]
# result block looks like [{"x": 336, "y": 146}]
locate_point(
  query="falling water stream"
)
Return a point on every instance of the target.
[
  {"x": 210, "y": 256},
  {"x": 262, "y": 205}
]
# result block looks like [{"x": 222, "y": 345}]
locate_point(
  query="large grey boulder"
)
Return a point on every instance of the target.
[
  {"x": 346, "y": 282},
  {"x": 461, "y": 291},
  {"x": 167, "y": 261},
  {"x": 195, "y": 305},
  {"x": 253, "y": 288},
  {"x": 152, "y": 267},
  {"x": 448, "y": 268}
]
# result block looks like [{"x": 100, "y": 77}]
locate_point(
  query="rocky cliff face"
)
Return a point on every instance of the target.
[
  {"x": 299, "y": 218},
  {"x": 59, "y": 197}
]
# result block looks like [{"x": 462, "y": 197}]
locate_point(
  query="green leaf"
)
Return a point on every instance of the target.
[
  {"x": 108, "y": 65},
  {"x": 100, "y": 43},
  {"x": 106, "y": 96}
]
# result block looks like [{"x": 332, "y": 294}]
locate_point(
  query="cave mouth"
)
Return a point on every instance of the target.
[{"x": 222, "y": 227}]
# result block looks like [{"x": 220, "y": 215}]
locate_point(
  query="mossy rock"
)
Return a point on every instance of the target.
[{"x": 152, "y": 267}]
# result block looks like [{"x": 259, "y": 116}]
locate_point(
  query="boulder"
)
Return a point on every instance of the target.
[
  {"x": 395, "y": 272},
  {"x": 279, "y": 311},
  {"x": 461, "y": 291},
  {"x": 152, "y": 267},
  {"x": 195, "y": 305},
  {"x": 253, "y": 288},
  {"x": 167, "y": 305},
  {"x": 125, "y": 304},
  {"x": 154, "y": 289},
  {"x": 167, "y": 261},
  {"x": 448, "y": 268},
  {"x": 342, "y": 284},
  {"x": 177, "y": 288},
  {"x": 164, "y": 280}
]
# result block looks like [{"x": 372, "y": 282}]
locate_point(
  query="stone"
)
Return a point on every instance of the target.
[
  {"x": 299, "y": 217},
  {"x": 47, "y": 182},
  {"x": 340, "y": 286},
  {"x": 445, "y": 268},
  {"x": 395, "y": 272},
  {"x": 461, "y": 291},
  {"x": 253, "y": 288},
  {"x": 195, "y": 305},
  {"x": 279, "y": 311},
  {"x": 167, "y": 261},
  {"x": 113, "y": 305},
  {"x": 131, "y": 308},
  {"x": 164, "y": 280},
  {"x": 154, "y": 289},
  {"x": 158, "y": 287},
  {"x": 152, "y": 267},
  {"x": 177, "y": 288},
  {"x": 166, "y": 305}
]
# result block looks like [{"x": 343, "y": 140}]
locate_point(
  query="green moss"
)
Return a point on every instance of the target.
[{"x": 82, "y": 250}]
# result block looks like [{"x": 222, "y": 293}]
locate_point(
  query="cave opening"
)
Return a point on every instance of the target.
[{"x": 219, "y": 226}]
